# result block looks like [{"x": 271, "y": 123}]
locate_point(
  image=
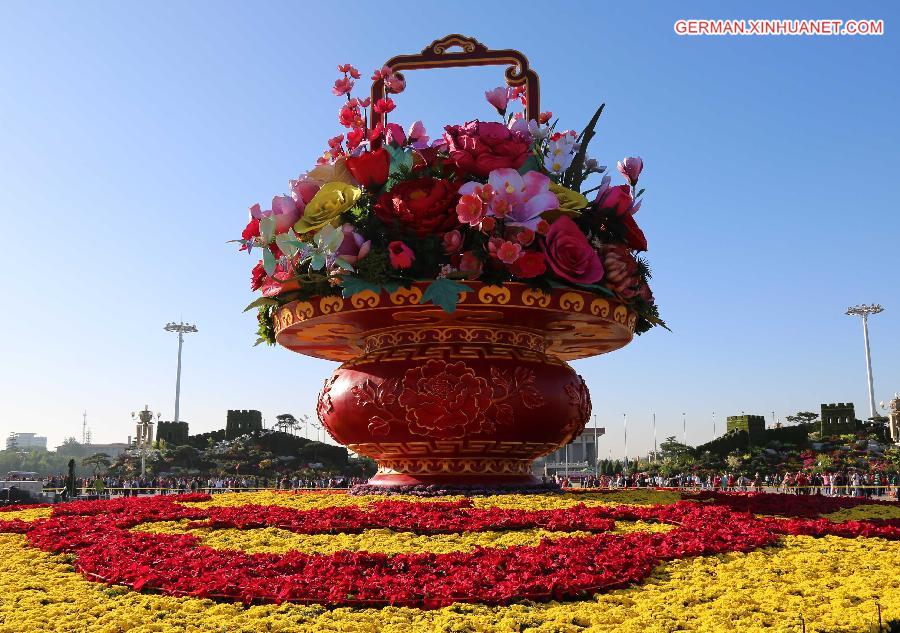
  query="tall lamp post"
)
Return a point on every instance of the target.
[
  {"x": 144, "y": 437},
  {"x": 864, "y": 311},
  {"x": 182, "y": 329}
]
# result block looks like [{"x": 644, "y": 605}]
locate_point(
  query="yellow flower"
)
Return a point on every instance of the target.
[
  {"x": 570, "y": 203},
  {"x": 330, "y": 202}
]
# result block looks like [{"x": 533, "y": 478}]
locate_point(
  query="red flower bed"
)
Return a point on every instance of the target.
[
  {"x": 98, "y": 534},
  {"x": 809, "y": 506}
]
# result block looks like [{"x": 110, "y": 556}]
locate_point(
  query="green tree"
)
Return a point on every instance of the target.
[
  {"x": 803, "y": 417},
  {"x": 97, "y": 461}
]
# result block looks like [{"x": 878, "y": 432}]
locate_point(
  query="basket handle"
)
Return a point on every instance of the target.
[{"x": 474, "y": 53}]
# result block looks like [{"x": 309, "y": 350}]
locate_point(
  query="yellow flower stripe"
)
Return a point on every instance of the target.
[
  {"x": 278, "y": 541},
  {"x": 26, "y": 515},
  {"x": 865, "y": 512},
  {"x": 832, "y": 581},
  {"x": 315, "y": 500}
]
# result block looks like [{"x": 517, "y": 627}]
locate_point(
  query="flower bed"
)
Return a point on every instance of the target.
[{"x": 359, "y": 553}]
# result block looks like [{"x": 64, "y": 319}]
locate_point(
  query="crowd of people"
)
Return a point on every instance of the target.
[
  {"x": 124, "y": 486},
  {"x": 841, "y": 483}
]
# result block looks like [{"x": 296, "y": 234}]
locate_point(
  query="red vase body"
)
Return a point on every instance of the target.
[{"x": 471, "y": 397}]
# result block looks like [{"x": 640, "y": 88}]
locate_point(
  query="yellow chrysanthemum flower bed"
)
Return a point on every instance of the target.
[{"x": 833, "y": 583}]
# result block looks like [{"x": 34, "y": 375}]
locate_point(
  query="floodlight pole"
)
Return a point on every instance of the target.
[
  {"x": 864, "y": 311},
  {"x": 182, "y": 328}
]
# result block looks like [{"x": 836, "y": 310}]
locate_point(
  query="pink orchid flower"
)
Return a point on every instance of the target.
[{"x": 519, "y": 199}]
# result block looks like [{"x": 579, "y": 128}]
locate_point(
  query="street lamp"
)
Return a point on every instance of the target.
[
  {"x": 864, "y": 311},
  {"x": 182, "y": 329},
  {"x": 144, "y": 437}
]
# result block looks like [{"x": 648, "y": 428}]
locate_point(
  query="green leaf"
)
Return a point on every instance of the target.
[
  {"x": 269, "y": 262},
  {"x": 343, "y": 264},
  {"x": 531, "y": 164},
  {"x": 445, "y": 293},
  {"x": 267, "y": 229},
  {"x": 288, "y": 245},
  {"x": 262, "y": 301},
  {"x": 401, "y": 159},
  {"x": 354, "y": 285},
  {"x": 317, "y": 261}
]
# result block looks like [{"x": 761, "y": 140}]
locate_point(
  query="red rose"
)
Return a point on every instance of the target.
[
  {"x": 569, "y": 253},
  {"x": 480, "y": 148},
  {"x": 530, "y": 264},
  {"x": 423, "y": 206},
  {"x": 370, "y": 168},
  {"x": 445, "y": 400}
]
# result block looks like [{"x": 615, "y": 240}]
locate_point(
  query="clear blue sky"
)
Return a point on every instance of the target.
[{"x": 133, "y": 137}]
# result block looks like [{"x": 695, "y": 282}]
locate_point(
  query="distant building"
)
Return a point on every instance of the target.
[
  {"x": 174, "y": 433},
  {"x": 754, "y": 425},
  {"x": 581, "y": 455},
  {"x": 113, "y": 450},
  {"x": 242, "y": 422},
  {"x": 26, "y": 440},
  {"x": 837, "y": 419}
]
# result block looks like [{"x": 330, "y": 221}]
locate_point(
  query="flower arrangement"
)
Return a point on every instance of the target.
[
  {"x": 489, "y": 201},
  {"x": 623, "y": 560}
]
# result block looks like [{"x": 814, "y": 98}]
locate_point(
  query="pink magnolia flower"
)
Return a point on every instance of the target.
[
  {"x": 417, "y": 136},
  {"x": 303, "y": 189},
  {"x": 499, "y": 98},
  {"x": 631, "y": 168},
  {"x": 401, "y": 255},
  {"x": 285, "y": 210},
  {"x": 354, "y": 246},
  {"x": 342, "y": 86},
  {"x": 519, "y": 199}
]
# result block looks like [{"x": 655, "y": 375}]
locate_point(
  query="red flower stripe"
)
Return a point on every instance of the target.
[{"x": 808, "y": 506}]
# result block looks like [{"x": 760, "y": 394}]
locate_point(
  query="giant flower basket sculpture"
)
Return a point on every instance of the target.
[{"x": 453, "y": 278}]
